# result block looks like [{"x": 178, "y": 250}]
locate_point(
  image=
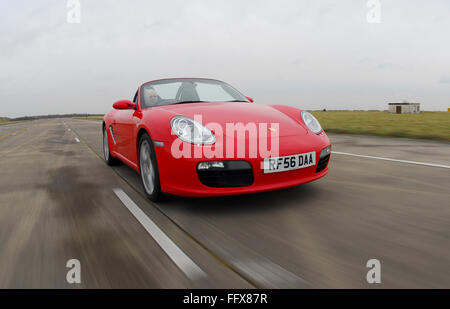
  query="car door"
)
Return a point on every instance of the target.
[{"x": 124, "y": 128}]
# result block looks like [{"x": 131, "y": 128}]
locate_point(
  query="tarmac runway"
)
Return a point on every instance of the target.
[{"x": 380, "y": 200}]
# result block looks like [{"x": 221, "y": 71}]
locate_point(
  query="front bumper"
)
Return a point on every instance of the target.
[{"x": 180, "y": 176}]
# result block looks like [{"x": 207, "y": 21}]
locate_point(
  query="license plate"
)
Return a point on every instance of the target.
[{"x": 288, "y": 163}]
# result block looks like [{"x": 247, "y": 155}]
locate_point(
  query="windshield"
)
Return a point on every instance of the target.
[{"x": 188, "y": 90}]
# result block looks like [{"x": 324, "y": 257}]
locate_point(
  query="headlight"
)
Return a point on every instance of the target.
[
  {"x": 311, "y": 122},
  {"x": 191, "y": 131}
]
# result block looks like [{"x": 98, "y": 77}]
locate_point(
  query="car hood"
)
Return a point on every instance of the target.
[{"x": 239, "y": 112}]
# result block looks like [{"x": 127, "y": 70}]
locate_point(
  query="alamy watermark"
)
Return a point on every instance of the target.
[
  {"x": 236, "y": 140},
  {"x": 74, "y": 12},
  {"x": 74, "y": 273},
  {"x": 374, "y": 274},
  {"x": 374, "y": 13}
]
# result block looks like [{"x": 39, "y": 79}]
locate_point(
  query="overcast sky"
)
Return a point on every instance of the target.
[{"x": 310, "y": 54}]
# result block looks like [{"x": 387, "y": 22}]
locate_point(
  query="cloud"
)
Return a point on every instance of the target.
[
  {"x": 385, "y": 66},
  {"x": 445, "y": 79},
  {"x": 302, "y": 53}
]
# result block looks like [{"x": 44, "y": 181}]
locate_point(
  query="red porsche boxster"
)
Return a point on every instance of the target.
[{"x": 202, "y": 137}]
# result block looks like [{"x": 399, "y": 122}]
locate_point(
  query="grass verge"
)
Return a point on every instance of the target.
[
  {"x": 426, "y": 125},
  {"x": 89, "y": 117}
]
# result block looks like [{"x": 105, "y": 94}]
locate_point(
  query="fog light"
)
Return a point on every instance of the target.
[
  {"x": 325, "y": 152},
  {"x": 210, "y": 164}
]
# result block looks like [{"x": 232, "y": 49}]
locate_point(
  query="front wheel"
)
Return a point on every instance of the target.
[{"x": 148, "y": 168}]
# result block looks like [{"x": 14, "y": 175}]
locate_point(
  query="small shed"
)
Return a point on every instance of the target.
[{"x": 404, "y": 108}]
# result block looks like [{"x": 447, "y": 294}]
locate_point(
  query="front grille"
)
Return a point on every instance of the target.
[
  {"x": 234, "y": 174},
  {"x": 322, "y": 163}
]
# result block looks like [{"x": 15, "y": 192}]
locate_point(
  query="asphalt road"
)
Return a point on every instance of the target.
[{"x": 57, "y": 203}]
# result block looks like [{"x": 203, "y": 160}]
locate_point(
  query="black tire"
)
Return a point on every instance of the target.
[
  {"x": 109, "y": 159},
  {"x": 153, "y": 192}
]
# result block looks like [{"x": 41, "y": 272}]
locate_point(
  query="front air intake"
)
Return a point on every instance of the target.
[
  {"x": 323, "y": 162},
  {"x": 232, "y": 174}
]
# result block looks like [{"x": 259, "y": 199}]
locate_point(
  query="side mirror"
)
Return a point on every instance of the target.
[
  {"x": 250, "y": 99},
  {"x": 124, "y": 104}
]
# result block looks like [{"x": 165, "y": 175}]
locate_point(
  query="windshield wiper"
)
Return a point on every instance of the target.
[{"x": 183, "y": 102}]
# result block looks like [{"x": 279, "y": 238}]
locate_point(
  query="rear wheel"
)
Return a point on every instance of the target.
[
  {"x": 110, "y": 160},
  {"x": 148, "y": 168}
]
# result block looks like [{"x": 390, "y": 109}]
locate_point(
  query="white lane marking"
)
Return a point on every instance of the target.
[
  {"x": 77, "y": 140},
  {"x": 394, "y": 160},
  {"x": 172, "y": 250},
  {"x": 69, "y": 130}
]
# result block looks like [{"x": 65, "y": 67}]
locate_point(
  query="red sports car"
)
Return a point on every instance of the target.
[{"x": 202, "y": 137}]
